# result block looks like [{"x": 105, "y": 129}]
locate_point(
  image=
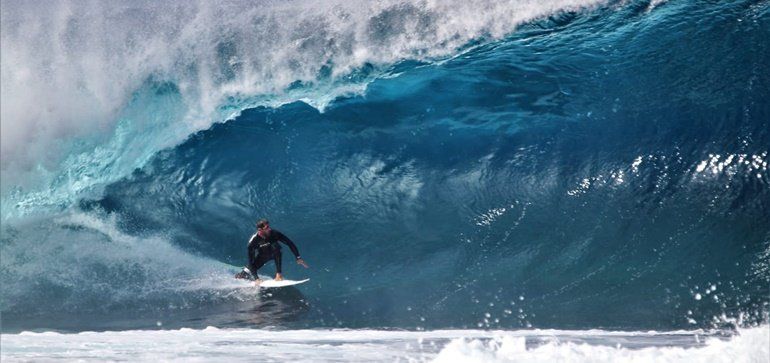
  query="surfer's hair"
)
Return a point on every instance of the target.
[{"x": 262, "y": 222}]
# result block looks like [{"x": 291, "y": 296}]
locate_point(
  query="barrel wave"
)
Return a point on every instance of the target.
[{"x": 562, "y": 166}]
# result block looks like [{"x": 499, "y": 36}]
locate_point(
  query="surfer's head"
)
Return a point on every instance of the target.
[{"x": 262, "y": 224}]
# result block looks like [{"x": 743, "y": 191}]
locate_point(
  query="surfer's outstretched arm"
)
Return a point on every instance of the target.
[
  {"x": 282, "y": 237},
  {"x": 285, "y": 240}
]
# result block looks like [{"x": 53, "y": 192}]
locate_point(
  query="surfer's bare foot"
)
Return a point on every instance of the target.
[
  {"x": 278, "y": 277},
  {"x": 257, "y": 282}
]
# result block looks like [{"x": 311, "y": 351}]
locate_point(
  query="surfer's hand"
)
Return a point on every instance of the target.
[{"x": 302, "y": 262}]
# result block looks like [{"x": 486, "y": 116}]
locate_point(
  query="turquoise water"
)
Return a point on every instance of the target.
[{"x": 560, "y": 166}]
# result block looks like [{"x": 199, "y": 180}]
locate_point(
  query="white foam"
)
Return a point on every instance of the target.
[
  {"x": 732, "y": 164},
  {"x": 750, "y": 345}
]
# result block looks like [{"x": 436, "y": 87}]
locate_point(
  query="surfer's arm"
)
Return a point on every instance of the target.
[
  {"x": 252, "y": 249},
  {"x": 282, "y": 237}
]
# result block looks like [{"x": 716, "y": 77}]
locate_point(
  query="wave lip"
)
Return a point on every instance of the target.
[
  {"x": 75, "y": 74},
  {"x": 748, "y": 345}
]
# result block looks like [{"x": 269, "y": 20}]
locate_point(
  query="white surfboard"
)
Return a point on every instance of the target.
[{"x": 272, "y": 283}]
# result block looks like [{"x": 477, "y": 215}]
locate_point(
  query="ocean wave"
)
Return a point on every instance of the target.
[
  {"x": 90, "y": 92},
  {"x": 605, "y": 167}
]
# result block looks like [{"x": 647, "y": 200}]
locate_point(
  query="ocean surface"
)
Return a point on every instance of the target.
[{"x": 567, "y": 180}]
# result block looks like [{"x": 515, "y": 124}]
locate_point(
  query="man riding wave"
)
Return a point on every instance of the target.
[{"x": 263, "y": 247}]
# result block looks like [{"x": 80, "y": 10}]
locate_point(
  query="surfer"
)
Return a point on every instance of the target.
[{"x": 264, "y": 246}]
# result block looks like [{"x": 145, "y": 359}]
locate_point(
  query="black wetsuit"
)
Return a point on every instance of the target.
[{"x": 262, "y": 250}]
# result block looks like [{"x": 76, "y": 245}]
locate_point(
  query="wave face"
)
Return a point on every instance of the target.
[{"x": 569, "y": 165}]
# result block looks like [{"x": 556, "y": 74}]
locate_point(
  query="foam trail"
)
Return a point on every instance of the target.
[
  {"x": 82, "y": 81},
  {"x": 110, "y": 268}
]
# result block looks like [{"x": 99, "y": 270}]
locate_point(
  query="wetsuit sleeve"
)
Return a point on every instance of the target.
[
  {"x": 282, "y": 237},
  {"x": 252, "y": 249}
]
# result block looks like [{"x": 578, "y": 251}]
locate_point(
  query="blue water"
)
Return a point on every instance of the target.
[{"x": 601, "y": 167}]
